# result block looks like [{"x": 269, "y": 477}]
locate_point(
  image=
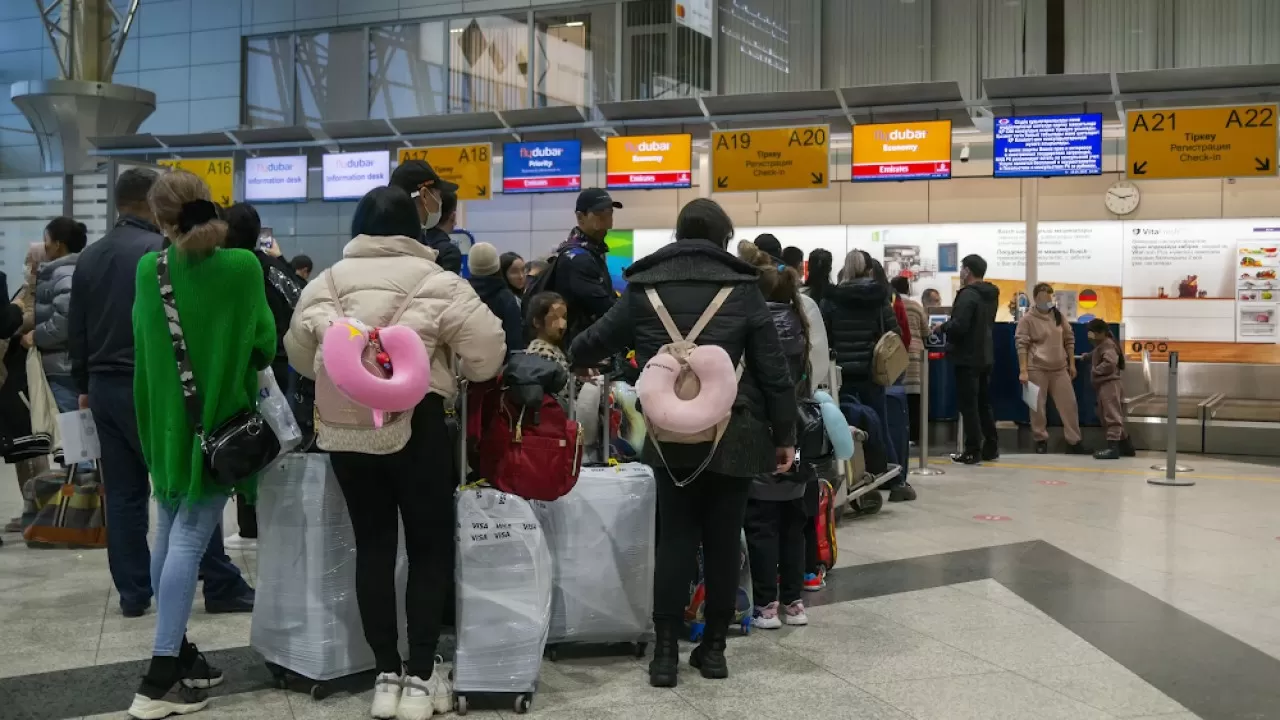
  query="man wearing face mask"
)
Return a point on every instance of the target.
[
  {"x": 437, "y": 203},
  {"x": 581, "y": 272},
  {"x": 970, "y": 350}
]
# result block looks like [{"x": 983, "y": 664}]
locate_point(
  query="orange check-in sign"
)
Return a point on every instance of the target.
[
  {"x": 649, "y": 161},
  {"x": 902, "y": 151}
]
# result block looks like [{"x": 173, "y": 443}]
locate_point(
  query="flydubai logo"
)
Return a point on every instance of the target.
[
  {"x": 541, "y": 152},
  {"x": 654, "y": 146},
  {"x": 892, "y": 135}
]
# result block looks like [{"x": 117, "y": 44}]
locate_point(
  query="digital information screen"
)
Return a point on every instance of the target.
[
  {"x": 275, "y": 179},
  {"x": 348, "y": 176},
  {"x": 649, "y": 161},
  {"x": 1048, "y": 146},
  {"x": 537, "y": 167}
]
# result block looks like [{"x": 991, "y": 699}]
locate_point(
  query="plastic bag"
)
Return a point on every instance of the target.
[
  {"x": 79, "y": 437},
  {"x": 274, "y": 408}
]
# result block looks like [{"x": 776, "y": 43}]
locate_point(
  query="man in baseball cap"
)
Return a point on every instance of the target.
[
  {"x": 437, "y": 202},
  {"x": 579, "y": 270}
]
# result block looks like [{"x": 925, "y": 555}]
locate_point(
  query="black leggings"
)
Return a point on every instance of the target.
[
  {"x": 709, "y": 511},
  {"x": 776, "y": 542},
  {"x": 418, "y": 482}
]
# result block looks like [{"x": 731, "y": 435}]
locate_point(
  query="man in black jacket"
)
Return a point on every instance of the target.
[
  {"x": 969, "y": 347},
  {"x": 101, "y": 347},
  {"x": 581, "y": 269},
  {"x": 437, "y": 201}
]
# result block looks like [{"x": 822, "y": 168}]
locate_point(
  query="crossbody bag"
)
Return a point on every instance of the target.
[{"x": 242, "y": 445}]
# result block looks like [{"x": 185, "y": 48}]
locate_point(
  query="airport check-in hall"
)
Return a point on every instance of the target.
[{"x": 885, "y": 359}]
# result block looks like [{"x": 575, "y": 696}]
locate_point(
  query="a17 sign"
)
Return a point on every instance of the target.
[{"x": 467, "y": 166}]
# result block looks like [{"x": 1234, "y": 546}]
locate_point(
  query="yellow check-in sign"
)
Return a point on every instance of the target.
[
  {"x": 771, "y": 159},
  {"x": 467, "y": 166},
  {"x": 1233, "y": 141},
  {"x": 217, "y": 173}
]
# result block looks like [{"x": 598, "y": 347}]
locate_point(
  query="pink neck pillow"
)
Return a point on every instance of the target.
[
  {"x": 401, "y": 374},
  {"x": 714, "y": 389}
]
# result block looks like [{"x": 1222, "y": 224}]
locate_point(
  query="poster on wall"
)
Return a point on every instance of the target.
[{"x": 1181, "y": 258}]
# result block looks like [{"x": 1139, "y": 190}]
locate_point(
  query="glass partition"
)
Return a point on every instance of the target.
[
  {"x": 407, "y": 71},
  {"x": 489, "y": 63}
]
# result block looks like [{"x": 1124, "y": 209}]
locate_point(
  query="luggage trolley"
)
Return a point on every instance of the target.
[{"x": 862, "y": 496}]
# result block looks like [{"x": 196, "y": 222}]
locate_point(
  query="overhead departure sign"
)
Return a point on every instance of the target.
[
  {"x": 773, "y": 159},
  {"x": 649, "y": 161},
  {"x": 217, "y": 173},
  {"x": 467, "y": 166},
  {"x": 902, "y": 151},
  {"x": 538, "y": 167},
  {"x": 1237, "y": 141}
]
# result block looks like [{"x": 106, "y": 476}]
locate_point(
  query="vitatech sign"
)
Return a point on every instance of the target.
[
  {"x": 275, "y": 179},
  {"x": 902, "y": 151},
  {"x": 542, "y": 167},
  {"x": 649, "y": 161},
  {"x": 348, "y": 176}
]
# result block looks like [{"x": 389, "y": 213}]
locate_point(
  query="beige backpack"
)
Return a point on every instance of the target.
[
  {"x": 343, "y": 425},
  {"x": 687, "y": 385},
  {"x": 890, "y": 357}
]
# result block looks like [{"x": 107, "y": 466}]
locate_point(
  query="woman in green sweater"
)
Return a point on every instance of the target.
[{"x": 230, "y": 336}]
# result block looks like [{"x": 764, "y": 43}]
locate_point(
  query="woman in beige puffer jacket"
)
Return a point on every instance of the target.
[{"x": 383, "y": 264}]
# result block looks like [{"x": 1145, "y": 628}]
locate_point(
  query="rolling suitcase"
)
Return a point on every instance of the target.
[
  {"x": 825, "y": 526},
  {"x": 306, "y": 620},
  {"x": 602, "y": 538},
  {"x": 504, "y": 578},
  {"x": 899, "y": 420},
  {"x": 694, "y": 615}
]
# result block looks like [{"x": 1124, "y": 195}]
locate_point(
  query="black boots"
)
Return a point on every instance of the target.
[
  {"x": 666, "y": 654},
  {"x": 1077, "y": 449},
  {"x": 966, "y": 458},
  {"x": 1112, "y": 452},
  {"x": 902, "y": 493},
  {"x": 990, "y": 452},
  {"x": 1126, "y": 447},
  {"x": 709, "y": 656},
  {"x": 1042, "y": 447}
]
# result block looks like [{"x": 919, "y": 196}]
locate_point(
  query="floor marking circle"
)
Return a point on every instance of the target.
[
  {"x": 992, "y": 518},
  {"x": 1053, "y": 482}
]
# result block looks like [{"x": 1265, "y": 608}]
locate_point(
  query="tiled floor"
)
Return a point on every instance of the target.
[{"x": 1083, "y": 625}]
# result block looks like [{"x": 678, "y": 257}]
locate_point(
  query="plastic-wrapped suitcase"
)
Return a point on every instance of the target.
[
  {"x": 503, "y": 576},
  {"x": 306, "y": 621},
  {"x": 602, "y": 538}
]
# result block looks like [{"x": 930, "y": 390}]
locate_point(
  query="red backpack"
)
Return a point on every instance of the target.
[
  {"x": 826, "y": 526},
  {"x": 535, "y": 461}
]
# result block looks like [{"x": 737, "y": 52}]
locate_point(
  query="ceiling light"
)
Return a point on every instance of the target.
[{"x": 575, "y": 23}]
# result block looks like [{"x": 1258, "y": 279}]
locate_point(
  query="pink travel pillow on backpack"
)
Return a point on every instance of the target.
[
  {"x": 344, "y": 349},
  {"x": 656, "y": 389}
]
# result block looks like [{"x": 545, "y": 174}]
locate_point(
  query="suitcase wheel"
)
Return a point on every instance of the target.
[
  {"x": 279, "y": 676},
  {"x": 695, "y": 631},
  {"x": 553, "y": 653},
  {"x": 869, "y": 504},
  {"x": 523, "y": 703},
  {"x": 460, "y": 704},
  {"x": 319, "y": 692},
  {"x": 745, "y": 625},
  {"x": 641, "y": 649}
]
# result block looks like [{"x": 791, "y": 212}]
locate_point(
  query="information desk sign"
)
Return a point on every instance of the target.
[
  {"x": 902, "y": 151},
  {"x": 1235, "y": 141},
  {"x": 539, "y": 167},
  {"x": 649, "y": 161},
  {"x": 217, "y": 173},
  {"x": 1048, "y": 145},
  {"x": 467, "y": 166},
  {"x": 795, "y": 158}
]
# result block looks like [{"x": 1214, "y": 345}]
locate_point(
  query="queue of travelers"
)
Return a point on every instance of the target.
[{"x": 180, "y": 292}]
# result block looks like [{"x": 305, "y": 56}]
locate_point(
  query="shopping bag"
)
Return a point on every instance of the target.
[
  {"x": 44, "y": 409},
  {"x": 74, "y": 515},
  {"x": 79, "y": 437},
  {"x": 274, "y": 407}
]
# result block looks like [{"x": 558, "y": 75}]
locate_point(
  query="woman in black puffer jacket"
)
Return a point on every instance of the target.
[
  {"x": 857, "y": 312},
  {"x": 760, "y": 437}
]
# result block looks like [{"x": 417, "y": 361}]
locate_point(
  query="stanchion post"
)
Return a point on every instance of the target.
[
  {"x": 922, "y": 444},
  {"x": 1171, "y": 468}
]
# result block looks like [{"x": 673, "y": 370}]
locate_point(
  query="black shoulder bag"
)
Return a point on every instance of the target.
[{"x": 241, "y": 446}]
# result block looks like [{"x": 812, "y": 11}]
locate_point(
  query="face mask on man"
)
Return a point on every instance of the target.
[{"x": 433, "y": 218}]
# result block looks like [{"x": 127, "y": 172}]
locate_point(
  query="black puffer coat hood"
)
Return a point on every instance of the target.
[
  {"x": 856, "y": 314},
  {"x": 687, "y": 274}
]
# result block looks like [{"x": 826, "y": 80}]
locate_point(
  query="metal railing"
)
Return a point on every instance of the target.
[
  {"x": 922, "y": 444},
  {"x": 1171, "y": 468}
]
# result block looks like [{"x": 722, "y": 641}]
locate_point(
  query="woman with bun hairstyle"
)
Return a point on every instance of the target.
[
  {"x": 705, "y": 508},
  {"x": 64, "y": 238},
  {"x": 382, "y": 269},
  {"x": 230, "y": 336}
]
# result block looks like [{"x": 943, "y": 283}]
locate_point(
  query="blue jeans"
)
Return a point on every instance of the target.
[
  {"x": 124, "y": 476},
  {"x": 182, "y": 534},
  {"x": 873, "y": 396},
  {"x": 65, "y": 395}
]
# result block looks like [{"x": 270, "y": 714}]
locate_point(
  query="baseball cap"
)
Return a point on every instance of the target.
[
  {"x": 595, "y": 200},
  {"x": 413, "y": 174}
]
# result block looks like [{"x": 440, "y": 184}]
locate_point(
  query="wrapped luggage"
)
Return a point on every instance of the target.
[
  {"x": 602, "y": 538},
  {"x": 306, "y": 620},
  {"x": 504, "y": 596}
]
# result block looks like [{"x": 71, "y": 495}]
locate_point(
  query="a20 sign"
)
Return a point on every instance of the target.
[
  {"x": 217, "y": 173},
  {"x": 467, "y": 166},
  {"x": 771, "y": 159}
]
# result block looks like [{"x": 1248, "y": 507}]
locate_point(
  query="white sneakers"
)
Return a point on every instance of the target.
[
  {"x": 766, "y": 617},
  {"x": 235, "y": 542},
  {"x": 795, "y": 614},
  {"x": 408, "y": 697}
]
